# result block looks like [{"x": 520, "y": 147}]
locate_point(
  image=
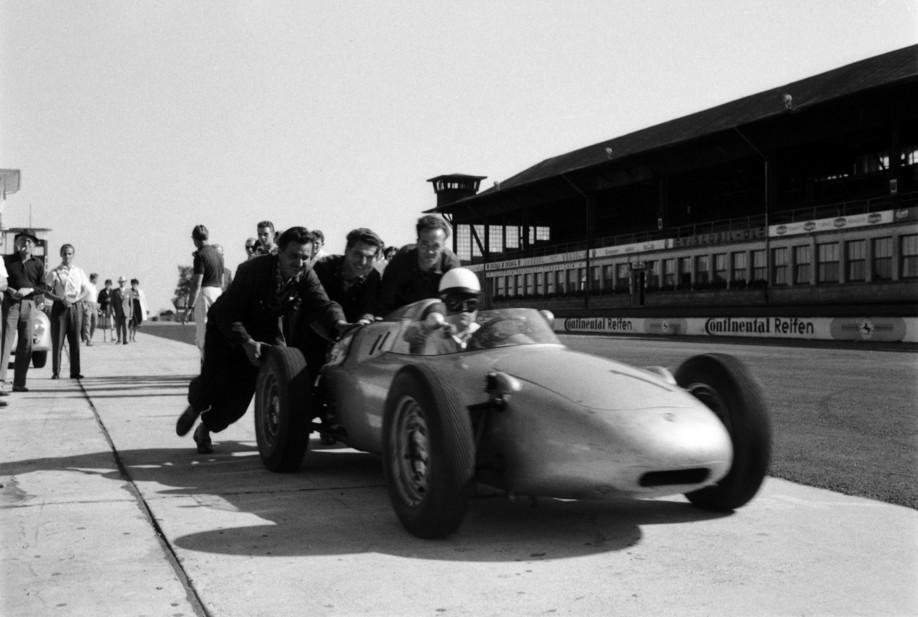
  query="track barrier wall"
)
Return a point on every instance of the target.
[{"x": 875, "y": 329}]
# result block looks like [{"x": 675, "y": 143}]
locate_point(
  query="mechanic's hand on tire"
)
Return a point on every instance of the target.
[{"x": 253, "y": 351}]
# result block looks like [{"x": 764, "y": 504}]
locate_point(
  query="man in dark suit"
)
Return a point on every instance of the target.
[
  {"x": 242, "y": 323},
  {"x": 118, "y": 314}
]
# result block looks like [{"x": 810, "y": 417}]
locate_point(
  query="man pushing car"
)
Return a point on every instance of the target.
[{"x": 245, "y": 321}]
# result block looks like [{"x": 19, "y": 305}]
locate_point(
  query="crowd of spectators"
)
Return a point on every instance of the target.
[{"x": 74, "y": 304}]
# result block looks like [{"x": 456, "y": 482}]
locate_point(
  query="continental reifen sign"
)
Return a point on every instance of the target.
[{"x": 878, "y": 329}]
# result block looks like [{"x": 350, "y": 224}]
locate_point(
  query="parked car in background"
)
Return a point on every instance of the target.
[{"x": 41, "y": 339}]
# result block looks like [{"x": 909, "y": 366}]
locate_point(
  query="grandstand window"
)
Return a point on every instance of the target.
[
  {"x": 550, "y": 282},
  {"x": 909, "y": 268},
  {"x": 653, "y": 274},
  {"x": 530, "y": 289},
  {"x": 511, "y": 237},
  {"x": 608, "y": 281},
  {"x": 496, "y": 239},
  {"x": 669, "y": 272},
  {"x": 539, "y": 283},
  {"x": 882, "y": 259},
  {"x": 779, "y": 266},
  {"x": 571, "y": 283},
  {"x": 759, "y": 269},
  {"x": 827, "y": 265},
  {"x": 702, "y": 269},
  {"x": 720, "y": 267},
  {"x": 501, "y": 286},
  {"x": 910, "y": 155},
  {"x": 803, "y": 261},
  {"x": 739, "y": 266},
  {"x": 479, "y": 233},
  {"x": 518, "y": 285},
  {"x": 685, "y": 271},
  {"x": 871, "y": 163},
  {"x": 621, "y": 277},
  {"x": 581, "y": 278},
  {"x": 542, "y": 234},
  {"x": 595, "y": 284},
  {"x": 856, "y": 256},
  {"x": 463, "y": 242}
]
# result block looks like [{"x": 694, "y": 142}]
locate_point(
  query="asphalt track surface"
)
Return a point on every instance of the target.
[{"x": 104, "y": 511}]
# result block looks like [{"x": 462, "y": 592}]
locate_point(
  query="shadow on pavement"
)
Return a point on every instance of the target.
[{"x": 336, "y": 504}]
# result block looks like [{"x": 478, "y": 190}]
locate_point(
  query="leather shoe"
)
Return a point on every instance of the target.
[
  {"x": 20, "y": 389},
  {"x": 55, "y": 376},
  {"x": 186, "y": 421},
  {"x": 4, "y": 393},
  {"x": 3, "y": 403},
  {"x": 202, "y": 439},
  {"x": 77, "y": 376}
]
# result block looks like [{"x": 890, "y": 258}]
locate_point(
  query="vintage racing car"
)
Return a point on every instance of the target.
[{"x": 519, "y": 411}]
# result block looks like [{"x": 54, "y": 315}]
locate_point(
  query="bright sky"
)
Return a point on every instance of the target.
[{"x": 134, "y": 121}]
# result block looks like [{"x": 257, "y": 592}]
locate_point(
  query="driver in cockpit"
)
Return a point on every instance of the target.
[{"x": 440, "y": 334}]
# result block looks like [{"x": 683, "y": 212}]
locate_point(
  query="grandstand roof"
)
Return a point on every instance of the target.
[{"x": 884, "y": 70}]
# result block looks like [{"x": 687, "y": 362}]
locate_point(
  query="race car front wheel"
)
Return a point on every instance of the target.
[
  {"x": 428, "y": 452},
  {"x": 282, "y": 416},
  {"x": 725, "y": 386}
]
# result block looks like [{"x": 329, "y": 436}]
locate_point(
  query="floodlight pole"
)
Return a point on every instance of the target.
[
  {"x": 589, "y": 229},
  {"x": 767, "y": 234}
]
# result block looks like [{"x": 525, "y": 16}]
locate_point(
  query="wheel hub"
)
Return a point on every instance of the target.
[{"x": 412, "y": 464}]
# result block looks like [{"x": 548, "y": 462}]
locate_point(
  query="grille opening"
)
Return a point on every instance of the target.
[{"x": 675, "y": 476}]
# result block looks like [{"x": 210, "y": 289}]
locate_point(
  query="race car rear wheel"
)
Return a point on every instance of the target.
[
  {"x": 428, "y": 452},
  {"x": 282, "y": 415},
  {"x": 725, "y": 386}
]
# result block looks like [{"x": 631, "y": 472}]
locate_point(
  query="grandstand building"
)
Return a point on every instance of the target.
[{"x": 797, "y": 203}]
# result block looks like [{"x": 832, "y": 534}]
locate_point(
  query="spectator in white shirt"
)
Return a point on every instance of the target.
[
  {"x": 90, "y": 311},
  {"x": 67, "y": 286}
]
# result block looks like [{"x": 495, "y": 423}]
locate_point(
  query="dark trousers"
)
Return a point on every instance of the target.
[
  {"x": 17, "y": 318},
  {"x": 121, "y": 327},
  {"x": 226, "y": 383},
  {"x": 66, "y": 321}
]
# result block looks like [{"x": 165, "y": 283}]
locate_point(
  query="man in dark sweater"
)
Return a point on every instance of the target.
[
  {"x": 351, "y": 279},
  {"x": 414, "y": 274},
  {"x": 25, "y": 281}
]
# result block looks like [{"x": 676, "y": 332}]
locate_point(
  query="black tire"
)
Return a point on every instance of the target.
[
  {"x": 725, "y": 385},
  {"x": 282, "y": 414},
  {"x": 39, "y": 359},
  {"x": 428, "y": 452}
]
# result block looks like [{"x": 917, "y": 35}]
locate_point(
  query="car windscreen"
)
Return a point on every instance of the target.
[
  {"x": 506, "y": 327},
  {"x": 493, "y": 328}
]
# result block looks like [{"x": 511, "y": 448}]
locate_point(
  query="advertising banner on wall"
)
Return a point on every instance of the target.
[{"x": 877, "y": 329}]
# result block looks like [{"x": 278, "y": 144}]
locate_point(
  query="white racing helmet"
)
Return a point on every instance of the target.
[{"x": 459, "y": 281}]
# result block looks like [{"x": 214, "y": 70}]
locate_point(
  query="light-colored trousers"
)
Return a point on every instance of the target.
[{"x": 206, "y": 297}]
